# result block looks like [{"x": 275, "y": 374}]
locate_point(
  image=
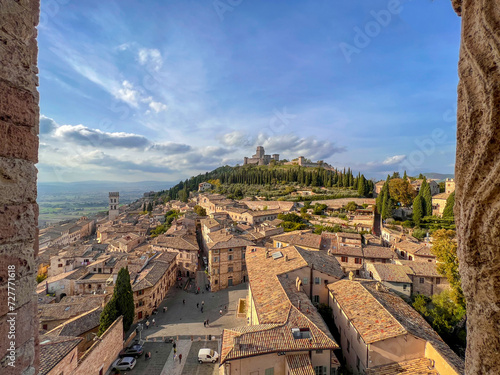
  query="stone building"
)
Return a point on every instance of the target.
[
  {"x": 449, "y": 186},
  {"x": 226, "y": 259},
  {"x": 281, "y": 316},
  {"x": 381, "y": 334},
  {"x": 439, "y": 203},
  {"x": 151, "y": 285},
  {"x": 260, "y": 158}
]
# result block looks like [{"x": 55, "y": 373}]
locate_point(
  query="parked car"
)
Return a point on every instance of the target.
[
  {"x": 207, "y": 355},
  {"x": 127, "y": 363},
  {"x": 132, "y": 351}
]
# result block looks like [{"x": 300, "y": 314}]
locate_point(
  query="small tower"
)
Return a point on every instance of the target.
[{"x": 114, "y": 201}]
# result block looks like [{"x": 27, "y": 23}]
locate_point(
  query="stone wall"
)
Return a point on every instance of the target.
[
  {"x": 477, "y": 178},
  {"x": 105, "y": 350},
  {"x": 19, "y": 115}
]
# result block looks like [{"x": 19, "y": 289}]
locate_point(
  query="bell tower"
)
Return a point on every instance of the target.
[{"x": 114, "y": 201}]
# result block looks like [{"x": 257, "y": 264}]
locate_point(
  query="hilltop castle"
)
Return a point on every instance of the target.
[{"x": 260, "y": 158}]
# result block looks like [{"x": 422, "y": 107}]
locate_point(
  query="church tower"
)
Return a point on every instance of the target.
[{"x": 114, "y": 201}]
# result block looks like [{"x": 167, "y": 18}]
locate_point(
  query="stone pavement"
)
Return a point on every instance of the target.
[
  {"x": 186, "y": 319},
  {"x": 185, "y": 322}
]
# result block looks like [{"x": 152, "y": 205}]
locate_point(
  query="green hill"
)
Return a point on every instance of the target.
[{"x": 272, "y": 176}]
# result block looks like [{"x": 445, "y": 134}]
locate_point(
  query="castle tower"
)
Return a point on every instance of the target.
[
  {"x": 114, "y": 201},
  {"x": 260, "y": 152}
]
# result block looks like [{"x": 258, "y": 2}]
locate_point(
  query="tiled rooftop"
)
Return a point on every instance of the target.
[
  {"x": 260, "y": 339},
  {"x": 390, "y": 272},
  {"x": 378, "y": 252},
  {"x": 362, "y": 302},
  {"x": 79, "y": 324},
  {"x": 299, "y": 364},
  {"x": 185, "y": 242},
  {"x": 420, "y": 366},
  {"x": 223, "y": 239},
  {"x": 53, "y": 349},
  {"x": 305, "y": 239}
]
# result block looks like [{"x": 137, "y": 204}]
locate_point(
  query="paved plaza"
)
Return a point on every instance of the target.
[{"x": 184, "y": 323}]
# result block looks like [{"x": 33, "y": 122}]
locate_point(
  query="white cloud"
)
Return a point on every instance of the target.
[
  {"x": 150, "y": 57},
  {"x": 157, "y": 106},
  {"x": 396, "y": 159},
  {"x": 127, "y": 93}
]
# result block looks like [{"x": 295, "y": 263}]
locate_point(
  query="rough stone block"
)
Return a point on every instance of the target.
[
  {"x": 18, "y": 223},
  {"x": 21, "y": 256},
  {"x": 19, "y": 142},
  {"x": 14, "y": 21},
  {"x": 17, "y": 181},
  {"x": 16, "y": 62},
  {"x": 24, "y": 290},
  {"x": 19, "y": 107},
  {"x": 25, "y": 326}
]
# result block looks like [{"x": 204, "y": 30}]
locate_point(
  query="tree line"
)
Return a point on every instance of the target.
[{"x": 263, "y": 175}]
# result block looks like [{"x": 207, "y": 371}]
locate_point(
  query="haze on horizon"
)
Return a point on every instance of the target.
[{"x": 163, "y": 90}]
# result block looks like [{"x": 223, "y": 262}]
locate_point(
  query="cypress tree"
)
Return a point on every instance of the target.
[
  {"x": 405, "y": 177},
  {"x": 427, "y": 198},
  {"x": 108, "y": 316},
  {"x": 361, "y": 186},
  {"x": 418, "y": 210},
  {"x": 124, "y": 298},
  {"x": 450, "y": 203}
]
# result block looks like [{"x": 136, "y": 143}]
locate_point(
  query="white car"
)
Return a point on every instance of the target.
[
  {"x": 207, "y": 355},
  {"x": 126, "y": 363}
]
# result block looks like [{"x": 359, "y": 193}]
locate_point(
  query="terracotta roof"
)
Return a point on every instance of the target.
[
  {"x": 420, "y": 366},
  {"x": 264, "y": 212},
  {"x": 428, "y": 269},
  {"x": 260, "y": 339},
  {"x": 79, "y": 324},
  {"x": 154, "y": 271},
  {"x": 53, "y": 349},
  {"x": 223, "y": 239},
  {"x": 378, "y": 252},
  {"x": 390, "y": 272},
  {"x": 271, "y": 302},
  {"x": 185, "y": 242},
  {"x": 351, "y": 236},
  {"x": 414, "y": 248},
  {"x": 353, "y": 251},
  {"x": 69, "y": 307},
  {"x": 380, "y": 314},
  {"x": 441, "y": 196},
  {"x": 299, "y": 364},
  {"x": 306, "y": 239},
  {"x": 321, "y": 262}
]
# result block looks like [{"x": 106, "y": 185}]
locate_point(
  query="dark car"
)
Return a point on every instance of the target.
[{"x": 132, "y": 351}]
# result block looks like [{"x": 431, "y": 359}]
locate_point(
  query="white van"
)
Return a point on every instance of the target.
[{"x": 207, "y": 355}]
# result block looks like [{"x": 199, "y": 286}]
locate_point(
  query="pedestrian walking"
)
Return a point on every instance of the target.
[
  {"x": 220, "y": 312},
  {"x": 175, "y": 345},
  {"x": 202, "y": 309},
  {"x": 147, "y": 324},
  {"x": 202, "y": 303},
  {"x": 205, "y": 323},
  {"x": 153, "y": 321},
  {"x": 175, "y": 350},
  {"x": 197, "y": 305},
  {"x": 183, "y": 301},
  {"x": 175, "y": 356},
  {"x": 180, "y": 358},
  {"x": 225, "y": 308}
]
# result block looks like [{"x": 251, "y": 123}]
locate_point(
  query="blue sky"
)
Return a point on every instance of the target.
[{"x": 162, "y": 90}]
